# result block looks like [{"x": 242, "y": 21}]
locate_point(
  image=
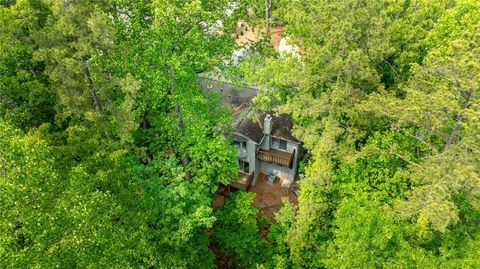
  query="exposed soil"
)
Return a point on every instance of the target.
[
  {"x": 269, "y": 197},
  {"x": 220, "y": 196},
  {"x": 223, "y": 261},
  {"x": 248, "y": 35},
  {"x": 276, "y": 32}
]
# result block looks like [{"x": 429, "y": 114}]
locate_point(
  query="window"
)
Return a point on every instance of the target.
[
  {"x": 244, "y": 166},
  {"x": 279, "y": 144},
  {"x": 241, "y": 147}
]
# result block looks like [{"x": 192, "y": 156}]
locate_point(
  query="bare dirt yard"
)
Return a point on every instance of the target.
[{"x": 269, "y": 197}]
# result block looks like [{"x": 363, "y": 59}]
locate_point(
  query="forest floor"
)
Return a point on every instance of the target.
[
  {"x": 269, "y": 197},
  {"x": 222, "y": 260},
  {"x": 220, "y": 196},
  {"x": 251, "y": 36}
]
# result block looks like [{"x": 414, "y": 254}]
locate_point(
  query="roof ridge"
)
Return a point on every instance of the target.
[{"x": 242, "y": 117}]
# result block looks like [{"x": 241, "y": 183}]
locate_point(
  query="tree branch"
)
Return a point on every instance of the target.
[
  {"x": 96, "y": 100},
  {"x": 453, "y": 133}
]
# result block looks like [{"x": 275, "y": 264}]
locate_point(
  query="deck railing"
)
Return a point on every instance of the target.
[
  {"x": 244, "y": 181},
  {"x": 275, "y": 156}
]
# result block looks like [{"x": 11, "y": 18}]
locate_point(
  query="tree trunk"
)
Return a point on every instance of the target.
[
  {"x": 96, "y": 101},
  {"x": 186, "y": 159},
  {"x": 454, "y": 132},
  {"x": 460, "y": 119},
  {"x": 32, "y": 70},
  {"x": 268, "y": 6}
]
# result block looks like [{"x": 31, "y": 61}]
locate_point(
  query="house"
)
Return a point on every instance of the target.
[{"x": 266, "y": 146}]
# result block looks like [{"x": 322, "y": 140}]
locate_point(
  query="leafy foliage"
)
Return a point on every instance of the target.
[
  {"x": 383, "y": 95},
  {"x": 110, "y": 152},
  {"x": 237, "y": 230},
  {"x": 109, "y": 94}
]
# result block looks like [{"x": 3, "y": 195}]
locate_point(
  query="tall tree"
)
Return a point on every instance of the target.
[
  {"x": 336, "y": 69},
  {"x": 25, "y": 97},
  {"x": 374, "y": 99},
  {"x": 104, "y": 64},
  {"x": 441, "y": 101}
]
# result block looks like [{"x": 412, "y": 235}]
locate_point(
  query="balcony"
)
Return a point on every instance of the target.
[
  {"x": 276, "y": 156},
  {"x": 243, "y": 182}
]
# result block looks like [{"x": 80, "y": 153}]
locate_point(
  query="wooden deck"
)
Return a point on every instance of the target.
[
  {"x": 244, "y": 181},
  {"x": 275, "y": 156}
]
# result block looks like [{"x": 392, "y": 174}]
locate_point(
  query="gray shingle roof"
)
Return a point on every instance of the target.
[{"x": 247, "y": 121}]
